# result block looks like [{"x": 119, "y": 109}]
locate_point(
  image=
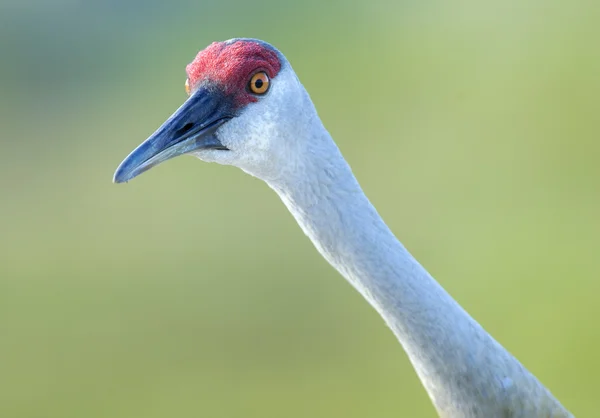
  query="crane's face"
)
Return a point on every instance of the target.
[{"x": 242, "y": 94}]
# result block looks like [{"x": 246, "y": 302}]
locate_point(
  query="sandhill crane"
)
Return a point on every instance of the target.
[{"x": 247, "y": 108}]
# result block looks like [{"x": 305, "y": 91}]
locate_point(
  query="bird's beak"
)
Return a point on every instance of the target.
[{"x": 190, "y": 128}]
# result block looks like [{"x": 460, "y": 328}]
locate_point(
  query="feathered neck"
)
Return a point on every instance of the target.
[{"x": 464, "y": 370}]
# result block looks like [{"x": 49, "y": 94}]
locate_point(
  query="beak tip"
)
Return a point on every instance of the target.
[{"x": 121, "y": 175}]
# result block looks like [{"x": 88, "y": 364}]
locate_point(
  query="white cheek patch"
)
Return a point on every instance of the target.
[{"x": 267, "y": 135}]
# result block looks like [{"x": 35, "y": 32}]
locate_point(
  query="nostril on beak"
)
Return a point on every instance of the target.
[{"x": 184, "y": 129}]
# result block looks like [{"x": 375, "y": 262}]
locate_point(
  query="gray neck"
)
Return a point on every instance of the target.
[{"x": 464, "y": 370}]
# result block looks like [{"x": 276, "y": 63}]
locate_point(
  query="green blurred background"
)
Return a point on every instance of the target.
[{"x": 472, "y": 126}]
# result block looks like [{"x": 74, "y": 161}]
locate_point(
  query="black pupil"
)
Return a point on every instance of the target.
[{"x": 258, "y": 83}]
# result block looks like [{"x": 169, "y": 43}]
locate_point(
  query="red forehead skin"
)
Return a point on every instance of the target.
[{"x": 231, "y": 66}]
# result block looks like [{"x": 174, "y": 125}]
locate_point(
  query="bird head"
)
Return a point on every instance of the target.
[{"x": 245, "y": 107}]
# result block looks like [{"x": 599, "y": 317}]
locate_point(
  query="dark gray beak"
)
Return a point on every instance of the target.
[{"x": 190, "y": 128}]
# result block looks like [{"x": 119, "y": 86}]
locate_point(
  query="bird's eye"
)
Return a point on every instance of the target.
[
  {"x": 187, "y": 86},
  {"x": 259, "y": 83}
]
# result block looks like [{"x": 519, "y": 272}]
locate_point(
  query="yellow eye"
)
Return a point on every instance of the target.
[
  {"x": 187, "y": 86},
  {"x": 259, "y": 83}
]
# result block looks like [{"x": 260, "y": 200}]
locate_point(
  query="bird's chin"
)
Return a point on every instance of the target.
[{"x": 224, "y": 157}]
